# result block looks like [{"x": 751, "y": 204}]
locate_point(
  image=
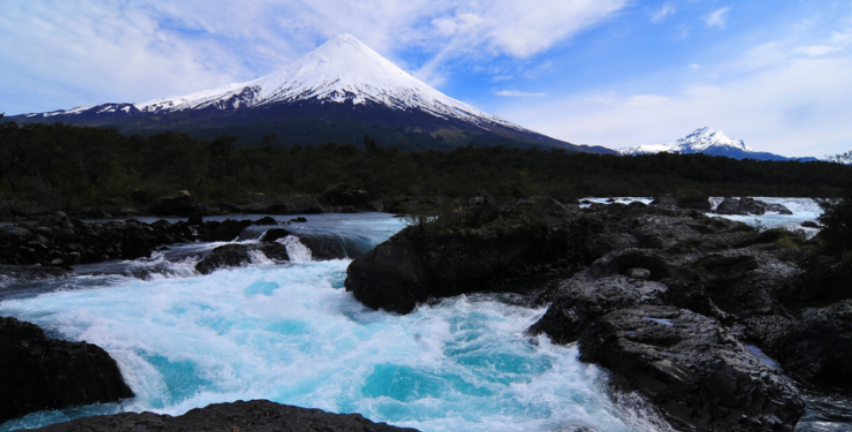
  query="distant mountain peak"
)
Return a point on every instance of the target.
[
  {"x": 708, "y": 141},
  {"x": 341, "y": 80},
  {"x": 704, "y": 138},
  {"x": 340, "y": 70}
]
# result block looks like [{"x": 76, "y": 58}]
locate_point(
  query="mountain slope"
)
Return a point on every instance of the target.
[
  {"x": 711, "y": 142},
  {"x": 341, "y": 81}
]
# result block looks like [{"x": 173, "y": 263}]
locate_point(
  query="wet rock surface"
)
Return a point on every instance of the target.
[
  {"x": 696, "y": 374},
  {"x": 588, "y": 295},
  {"x": 58, "y": 240},
  {"x": 749, "y": 206},
  {"x": 257, "y": 415},
  {"x": 715, "y": 283},
  {"x": 39, "y": 373},
  {"x": 820, "y": 347},
  {"x": 236, "y": 255},
  {"x": 480, "y": 253}
]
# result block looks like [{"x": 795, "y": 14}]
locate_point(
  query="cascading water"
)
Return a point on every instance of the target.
[{"x": 291, "y": 334}]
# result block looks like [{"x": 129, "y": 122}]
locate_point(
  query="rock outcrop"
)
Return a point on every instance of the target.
[
  {"x": 749, "y": 206},
  {"x": 697, "y": 375},
  {"x": 39, "y": 373},
  {"x": 256, "y": 415},
  {"x": 820, "y": 347},
  {"x": 235, "y": 255},
  {"x": 60, "y": 241},
  {"x": 478, "y": 254}
]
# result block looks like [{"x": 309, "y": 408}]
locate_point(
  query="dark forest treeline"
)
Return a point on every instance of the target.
[{"x": 62, "y": 165}]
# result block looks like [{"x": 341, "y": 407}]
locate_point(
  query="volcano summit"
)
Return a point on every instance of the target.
[{"x": 338, "y": 92}]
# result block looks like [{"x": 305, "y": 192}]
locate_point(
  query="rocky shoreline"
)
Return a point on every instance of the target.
[
  {"x": 40, "y": 373},
  {"x": 676, "y": 304},
  {"x": 256, "y": 415}
]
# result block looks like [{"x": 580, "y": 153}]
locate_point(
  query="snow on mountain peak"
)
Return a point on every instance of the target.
[
  {"x": 699, "y": 141},
  {"x": 341, "y": 69},
  {"x": 705, "y": 137}
]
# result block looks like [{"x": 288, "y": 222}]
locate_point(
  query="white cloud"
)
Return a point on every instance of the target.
[
  {"x": 89, "y": 52},
  {"x": 718, "y": 18},
  {"x": 695, "y": 66},
  {"x": 647, "y": 100},
  {"x": 667, "y": 9},
  {"x": 796, "y": 106},
  {"x": 515, "y": 93},
  {"x": 818, "y": 50}
]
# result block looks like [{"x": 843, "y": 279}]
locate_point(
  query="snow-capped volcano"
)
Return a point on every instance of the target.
[
  {"x": 707, "y": 141},
  {"x": 341, "y": 69},
  {"x": 342, "y": 80}
]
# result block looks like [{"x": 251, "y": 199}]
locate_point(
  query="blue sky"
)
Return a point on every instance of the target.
[{"x": 617, "y": 73}]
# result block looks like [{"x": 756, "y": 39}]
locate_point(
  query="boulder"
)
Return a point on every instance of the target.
[
  {"x": 437, "y": 261},
  {"x": 820, "y": 348},
  {"x": 274, "y": 234},
  {"x": 230, "y": 255},
  {"x": 693, "y": 371},
  {"x": 694, "y": 200},
  {"x": 587, "y": 296},
  {"x": 274, "y": 251},
  {"x": 324, "y": 247},
  {"x": 749, "y": 206},
  {"x": 256, "y": 415},
  {"x": 40, "y": 373},
  {"x": 224, "y": 231}
]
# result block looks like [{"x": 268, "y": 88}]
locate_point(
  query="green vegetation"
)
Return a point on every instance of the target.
[
  {"x": 68, "y": 166},
  {"x": 837, "y": 211}
]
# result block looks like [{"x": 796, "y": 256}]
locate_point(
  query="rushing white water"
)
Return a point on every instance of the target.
[
  {"x": 291, "y": 334},
  {"x": 804, "y": 209}
]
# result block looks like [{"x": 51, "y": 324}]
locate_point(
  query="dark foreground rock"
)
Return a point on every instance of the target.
[
  {"x": 58, "y": 240},
  {"x": 749, "y": 206},
  {"x": 257, "y": 415},
  {"x": 235, "y": 255},
  {"x": 479, "y": 254},
  {"x": 39, "y": 373},
  {"x": 590, "y": 294},
  {"x": 820, "y": 348},
  {"x": 697, "y": 375},
  {"x": 694, "y": 200}
]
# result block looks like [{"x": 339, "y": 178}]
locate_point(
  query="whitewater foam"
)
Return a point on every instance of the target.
[{"x": 290, "y": 334}]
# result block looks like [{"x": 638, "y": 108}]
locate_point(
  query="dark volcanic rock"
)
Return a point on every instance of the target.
[
  {"x": 275, "y": 252},
  {"x": 694, "y": 200},
  {"x": 821, "y": 346},
  {"x": 419, "y": 263},
  {"x": 257, "y": 415},
  {"x": 590, "y": 294},
  {"x": 236, "y": 255},
  {"x": 39, "y": 373},
  {"x": 696, "y": 374},
  {"x": 273, "y": 234},
  {"x": 324, "y": 247},
  {"x": 60, "y": 240},
  {"x": 230, "y": 255},
  {"x": 749, "y": 206},
  {"x": 224, "y": 231}
]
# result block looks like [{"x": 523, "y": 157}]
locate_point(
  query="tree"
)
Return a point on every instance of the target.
[{"x": 836, "y": 215}]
